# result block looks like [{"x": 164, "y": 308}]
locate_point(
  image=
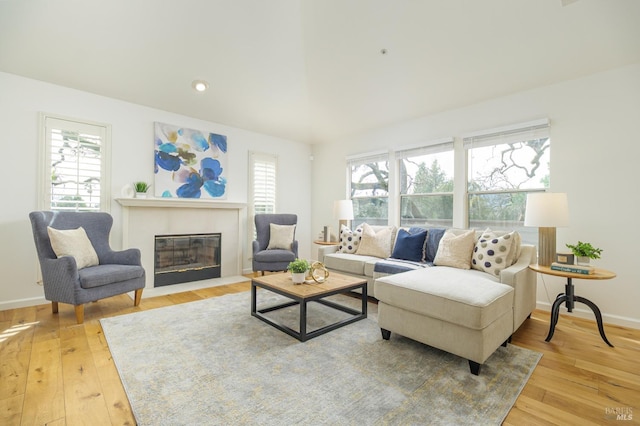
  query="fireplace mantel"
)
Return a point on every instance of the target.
[
  {"x": 144, "y": 218},
  {"x": 189, "y": 203}
]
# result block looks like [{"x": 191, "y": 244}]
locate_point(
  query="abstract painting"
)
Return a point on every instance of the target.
[{"x": 189, "y": 163}]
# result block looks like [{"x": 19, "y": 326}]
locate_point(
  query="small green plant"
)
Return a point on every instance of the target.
[
  {"x": 585, "y": 250},
  {"x": 141, "y": 186},
  {"x": 298, "y": 266}
]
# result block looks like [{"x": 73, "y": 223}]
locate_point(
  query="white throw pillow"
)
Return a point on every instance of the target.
[
  {"x": 281, "y": 236},
  {"x": 455, "y": 250},
  {"x": 349, "y": 240},
  {"x": 75, "y": 243},
  {"x": 491, "y": 252},
  {"x": 374, "y": 243}
]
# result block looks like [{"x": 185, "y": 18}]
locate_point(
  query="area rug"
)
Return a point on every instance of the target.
[{"x": 210, "y": 362}]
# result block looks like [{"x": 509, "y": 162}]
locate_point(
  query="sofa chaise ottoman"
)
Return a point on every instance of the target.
[
  {"x": 467, "y": 306},
  {"x": 466, "y": 317}
]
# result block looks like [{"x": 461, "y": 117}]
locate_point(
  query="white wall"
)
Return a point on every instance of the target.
[
  {"x": 594, "y": 154},
  {"x": 22, "y": 99}
]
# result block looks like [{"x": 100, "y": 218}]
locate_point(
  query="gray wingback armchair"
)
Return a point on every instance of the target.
[
  {"x": 273, "y": 259},
  {"x": 118, "y": 271}
]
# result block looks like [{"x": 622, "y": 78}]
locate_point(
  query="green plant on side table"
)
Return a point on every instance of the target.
[
  {"x": 141, "y": 188},
  {"x": 298, "y": 270},
  {"x": 584, "y": 252}
]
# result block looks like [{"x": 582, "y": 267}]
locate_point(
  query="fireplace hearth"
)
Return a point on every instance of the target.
[{"x": 186, "y": 257}]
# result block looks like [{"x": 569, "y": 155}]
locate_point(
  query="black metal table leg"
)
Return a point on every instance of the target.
[
  {"x": 598, "y": 315},
  {"x": 570, "y": 298},
  {"x": 303, "y": 321},
  {"x": 555, "y": 314},
  {"x": 569, "y": 291}
]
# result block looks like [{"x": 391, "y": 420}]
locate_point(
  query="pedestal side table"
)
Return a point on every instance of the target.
[{"x": 569, "y": 297}]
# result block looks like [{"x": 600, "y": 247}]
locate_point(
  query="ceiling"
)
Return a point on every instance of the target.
[{"x": 313, "y": 70}]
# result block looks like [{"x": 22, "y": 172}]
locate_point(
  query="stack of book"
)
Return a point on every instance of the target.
[{"x": 576, "y": 269}]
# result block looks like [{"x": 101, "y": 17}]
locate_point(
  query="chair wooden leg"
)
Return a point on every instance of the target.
[
  {"x": 79, "y": 313},
  {"x": 138, "y": 297},
  {"x": 54, "y": 307}
]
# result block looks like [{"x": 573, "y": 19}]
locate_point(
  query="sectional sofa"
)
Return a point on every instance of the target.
[{"x": 462, "y": 291}]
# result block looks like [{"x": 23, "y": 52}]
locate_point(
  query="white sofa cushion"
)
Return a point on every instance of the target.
[
  {"x": 350, "y": 263},
  {"x": 376, "y": 242},
  {"x": 455, "y": 250},
  {"x": 470, "y": 298}
]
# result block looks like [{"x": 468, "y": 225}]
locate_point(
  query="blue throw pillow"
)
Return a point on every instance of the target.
[
  {"x": 433, "y": 240},
  {"x": 409, "y": 246}
]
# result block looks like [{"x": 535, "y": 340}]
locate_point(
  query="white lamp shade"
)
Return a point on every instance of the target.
[
  {"x": 343, "y": 210},
  {"x": 547, "y": 209}
]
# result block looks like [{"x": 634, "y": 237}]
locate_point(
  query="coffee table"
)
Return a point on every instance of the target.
[{"x": 302, "y": 295}]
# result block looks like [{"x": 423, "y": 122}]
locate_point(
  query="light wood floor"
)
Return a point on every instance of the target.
[{"x": 55, "y": 372}]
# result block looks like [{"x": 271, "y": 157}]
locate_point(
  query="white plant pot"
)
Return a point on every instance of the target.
[
  {"x": 298, "y": 277},
  {"x": 583, "y": 260},
  {"x": 141, "y": 195}
]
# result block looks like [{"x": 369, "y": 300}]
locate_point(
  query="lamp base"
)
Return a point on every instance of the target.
[
  {"x": 546, "y": 245},
  {"x": 340, "y": 223}
]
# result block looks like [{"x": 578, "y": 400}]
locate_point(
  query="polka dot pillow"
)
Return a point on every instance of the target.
[
  {"x": 349, "y": 240},
  {"x": 490, "y": 252}
]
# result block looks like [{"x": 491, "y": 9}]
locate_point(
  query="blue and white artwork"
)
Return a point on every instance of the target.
[{"x": 189, "y": 163}]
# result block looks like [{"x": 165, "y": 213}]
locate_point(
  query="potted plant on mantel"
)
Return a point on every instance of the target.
[
  {"x": 141, "y": 189},
  {"x": 298, "y": 270},
  {"x": 584, "y": 252}
]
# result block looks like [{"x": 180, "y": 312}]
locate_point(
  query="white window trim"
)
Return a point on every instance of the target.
[
  {"x": 432, "y": 147},
  {"x": 536, "y": 129},
  {"x": 44, "y": 171}
]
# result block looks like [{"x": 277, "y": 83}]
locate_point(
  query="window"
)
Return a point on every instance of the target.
[
  {"x": 369, "y": 187},
  {"x": 426, "y": 185},
  {"x": 503, "y": 166},
  {"x": 74, "y": 165},
  {"x": 262, "y": 186}
]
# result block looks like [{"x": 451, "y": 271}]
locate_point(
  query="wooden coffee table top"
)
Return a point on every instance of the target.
[{"x": 282, "y": 282}]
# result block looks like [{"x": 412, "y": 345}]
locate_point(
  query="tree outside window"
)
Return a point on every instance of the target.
[
  {"x": 426, "y": 189},
  {"x": 369, "y": 188},
  {"x": 500, "y": 176}
]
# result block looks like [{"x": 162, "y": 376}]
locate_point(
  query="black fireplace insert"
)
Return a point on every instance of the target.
[{"x": 186, "y": 257}]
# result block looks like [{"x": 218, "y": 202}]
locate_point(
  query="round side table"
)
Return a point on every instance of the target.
[{"x": 569, "y": 297}]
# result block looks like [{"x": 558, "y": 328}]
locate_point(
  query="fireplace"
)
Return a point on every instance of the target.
[{"x": 181, "y": 258}]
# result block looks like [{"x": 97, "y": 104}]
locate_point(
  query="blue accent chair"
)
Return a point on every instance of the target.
[
  {"x": 272, "y": 260},
  {"x": 118, "y": 272}
]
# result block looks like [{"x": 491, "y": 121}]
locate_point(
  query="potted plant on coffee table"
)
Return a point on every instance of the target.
[
  {"x": 584, "y": 252},
  {"x": 298, "y": 270}
]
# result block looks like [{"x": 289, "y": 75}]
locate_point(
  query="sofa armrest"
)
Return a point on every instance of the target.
[
  {"x": 325, "y": 250},
  {"x": 524, "y": 282}
]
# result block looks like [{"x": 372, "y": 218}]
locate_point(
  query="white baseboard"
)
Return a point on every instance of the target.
[
  {"x": 581, "y": 312},
  {"x": 148, "y": 292},
  {"x": 23, "y": 303}
]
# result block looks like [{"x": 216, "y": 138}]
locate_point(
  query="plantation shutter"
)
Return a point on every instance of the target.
[
  {"x": 74, "y": 165},
  {"x": 264, "y": 183}
]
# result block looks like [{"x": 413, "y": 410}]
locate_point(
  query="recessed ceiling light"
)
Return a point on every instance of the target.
[{"x": 200, "y": 85}]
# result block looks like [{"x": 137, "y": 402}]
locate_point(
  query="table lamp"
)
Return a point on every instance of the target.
[
  {"x": 546, "y": 210},
  {"x": 343, "y": 211}
]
